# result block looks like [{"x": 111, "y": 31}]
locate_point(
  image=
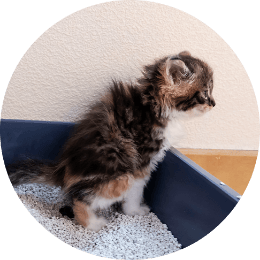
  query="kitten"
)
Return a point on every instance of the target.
[{"x": 118, "y": 143}]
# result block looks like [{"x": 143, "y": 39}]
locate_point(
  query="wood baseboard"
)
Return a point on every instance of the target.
[{"x": 233, "y": 167}]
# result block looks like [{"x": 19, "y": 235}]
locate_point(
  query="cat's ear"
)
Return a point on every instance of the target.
[
  {"x": 175, "y": 71},
  {"x": 185, "y": 53}
]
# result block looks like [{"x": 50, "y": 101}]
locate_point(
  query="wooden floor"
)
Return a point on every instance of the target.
[{"x": 234, "y": 168}]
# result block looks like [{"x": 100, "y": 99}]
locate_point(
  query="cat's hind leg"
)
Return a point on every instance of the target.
[
  {"x": 82, "y": 193},
  {"x": 85, "y": 216},
  {"x": 87, "y": 199}
]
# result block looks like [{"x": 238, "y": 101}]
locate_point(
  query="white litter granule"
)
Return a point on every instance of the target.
[{"x": 124, "y": 237}]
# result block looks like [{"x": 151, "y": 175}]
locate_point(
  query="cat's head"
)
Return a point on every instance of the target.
[{"x": 181, "y": 83}]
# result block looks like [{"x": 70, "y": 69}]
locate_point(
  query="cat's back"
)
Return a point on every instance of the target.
[{"x": 105, "y": 140}]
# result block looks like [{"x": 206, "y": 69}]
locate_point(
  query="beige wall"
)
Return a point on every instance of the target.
[{"x": 72, "y": 63}]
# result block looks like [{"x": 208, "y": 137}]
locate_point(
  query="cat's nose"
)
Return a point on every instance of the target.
[{"x": 212, "y": 102}]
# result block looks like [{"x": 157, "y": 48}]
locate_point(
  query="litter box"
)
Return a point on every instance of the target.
[{"x": 189, "y": 200}]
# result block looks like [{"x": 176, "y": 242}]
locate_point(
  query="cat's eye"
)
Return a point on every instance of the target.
[{"x": 205, "y": 94}]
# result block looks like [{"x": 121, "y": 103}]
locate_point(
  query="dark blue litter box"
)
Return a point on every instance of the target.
[{"x": 189, "y": 200}]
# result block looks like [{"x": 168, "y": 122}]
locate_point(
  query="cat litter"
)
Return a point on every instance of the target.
[{"x": 124, "y": 237}]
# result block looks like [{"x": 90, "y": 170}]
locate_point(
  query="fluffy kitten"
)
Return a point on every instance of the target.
[{"x": 117, "y": 145}]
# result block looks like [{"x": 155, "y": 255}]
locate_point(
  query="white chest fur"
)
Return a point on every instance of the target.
[
  {"x": 174, "y": 131},
  {"x": 172, "y": 134}
]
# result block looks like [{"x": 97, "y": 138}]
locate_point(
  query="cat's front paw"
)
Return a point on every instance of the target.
[{"x": 141, "y": 210}]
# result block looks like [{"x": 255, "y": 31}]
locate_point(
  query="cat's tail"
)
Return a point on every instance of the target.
[{"x": 32, "y": 171}]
